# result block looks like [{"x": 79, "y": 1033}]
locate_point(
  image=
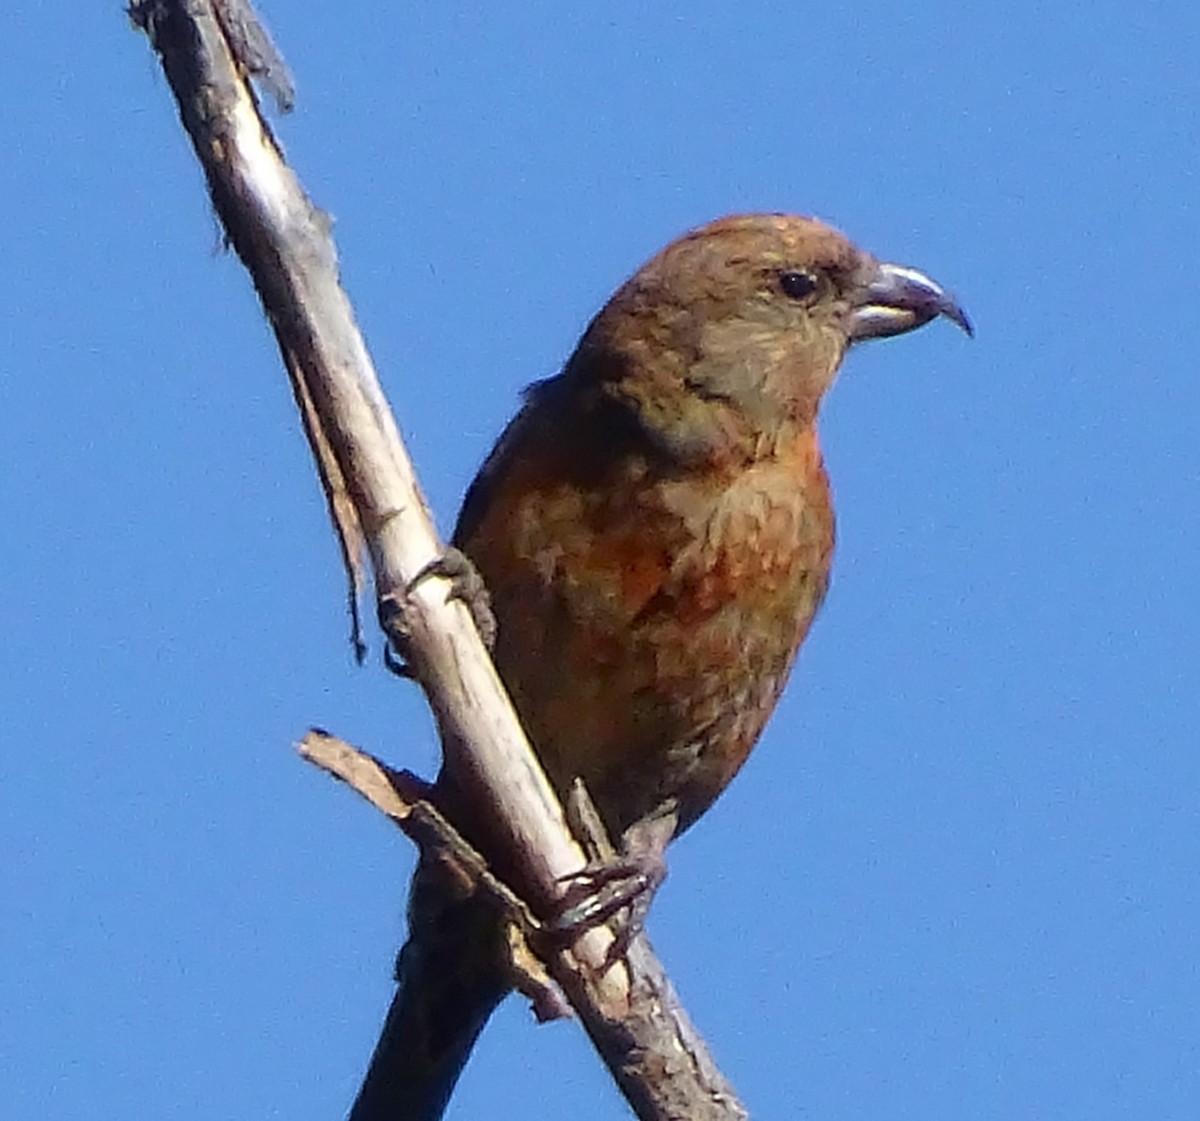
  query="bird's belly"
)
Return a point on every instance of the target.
[{"x": 648, "y": 659}]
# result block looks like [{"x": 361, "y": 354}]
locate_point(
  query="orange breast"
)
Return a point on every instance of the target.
[{"x": 647, "y": 622}]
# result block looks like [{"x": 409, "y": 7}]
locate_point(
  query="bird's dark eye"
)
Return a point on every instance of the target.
[{"x": 797, "y": 284}]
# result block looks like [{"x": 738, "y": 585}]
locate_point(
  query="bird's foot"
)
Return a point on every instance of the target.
[
  {"x": 617, "y": 885},
  {"x": 466, "y": 585}
]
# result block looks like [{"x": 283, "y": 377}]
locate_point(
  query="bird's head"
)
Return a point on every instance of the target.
[{"x": 752, "y": 314}]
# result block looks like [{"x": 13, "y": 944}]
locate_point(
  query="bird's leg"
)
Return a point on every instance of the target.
[{"x": 466, "y": 585}]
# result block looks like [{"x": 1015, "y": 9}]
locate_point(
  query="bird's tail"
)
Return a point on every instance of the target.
[{"x": 449, "y": 984}]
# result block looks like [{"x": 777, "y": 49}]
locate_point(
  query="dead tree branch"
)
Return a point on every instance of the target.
[{"x": 284, "y": 241}]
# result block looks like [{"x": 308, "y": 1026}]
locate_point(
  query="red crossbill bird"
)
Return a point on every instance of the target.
[{"x": 655, "y": 530}]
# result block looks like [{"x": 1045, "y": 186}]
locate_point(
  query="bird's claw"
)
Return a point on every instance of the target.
[
  {"x": 393, "y": 621},
  {"x": 601, "y": 891},
  {"x": 612, "y": 883},
  {"x": 466, "y": 585}
]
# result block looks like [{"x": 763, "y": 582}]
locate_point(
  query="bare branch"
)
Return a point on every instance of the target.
[
  {"x": 629, "y": 1010},
  {"x": 251, "y": 44},
  {"x": 403, "y": 797}
]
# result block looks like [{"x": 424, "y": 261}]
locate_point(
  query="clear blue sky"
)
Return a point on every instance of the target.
[{"x": 961, "y": 876}]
